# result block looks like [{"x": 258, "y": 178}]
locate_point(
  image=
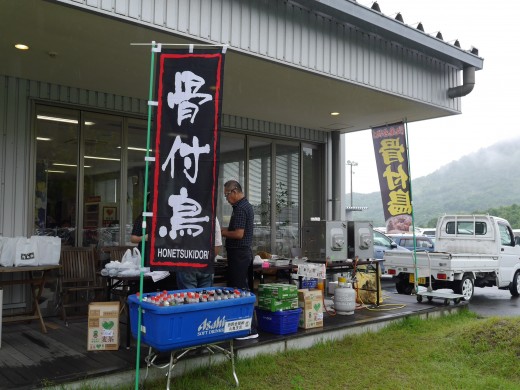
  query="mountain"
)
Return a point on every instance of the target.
[{"x": 482, "y": 180}]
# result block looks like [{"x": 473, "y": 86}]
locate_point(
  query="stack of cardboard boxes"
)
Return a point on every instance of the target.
[{"x": 277, "y": 296}]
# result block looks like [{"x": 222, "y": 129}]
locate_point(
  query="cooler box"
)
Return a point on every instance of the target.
[{"x": 167, "y": 328}]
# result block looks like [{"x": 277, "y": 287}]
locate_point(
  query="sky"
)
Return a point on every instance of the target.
[{"x": 489, "y": 112}]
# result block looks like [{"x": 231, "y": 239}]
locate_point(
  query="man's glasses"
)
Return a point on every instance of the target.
[{"x": 226, "y": 194}]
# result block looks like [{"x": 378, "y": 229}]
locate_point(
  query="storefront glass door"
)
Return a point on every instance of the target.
[
  {"x": 102, "y": 179},
  {"x": 57, "y": 150}
]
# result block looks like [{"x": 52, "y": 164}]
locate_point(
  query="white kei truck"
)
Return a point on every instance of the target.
[{"x": 470, "y": 250}]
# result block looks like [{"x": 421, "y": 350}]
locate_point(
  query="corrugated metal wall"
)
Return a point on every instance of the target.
[
  {"x": 285, "y": 32},
  {"x": 17, "y": 157}
]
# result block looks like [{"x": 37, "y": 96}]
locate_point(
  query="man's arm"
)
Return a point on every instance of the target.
[
  {"x": 237, "y": 234},
  {"x": 137, "y": 239}
]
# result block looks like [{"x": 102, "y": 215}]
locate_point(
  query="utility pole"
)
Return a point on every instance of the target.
[{"x": 352, "y": 164}]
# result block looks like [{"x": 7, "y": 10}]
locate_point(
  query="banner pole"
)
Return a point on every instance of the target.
[
  {"x": 416, "y": 285},
  {"x": 145, "y": 201}
]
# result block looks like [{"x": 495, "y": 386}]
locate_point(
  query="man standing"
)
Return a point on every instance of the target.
[
  {"x": 239, "y": 237},
  {"x": 196, "y": 279}
]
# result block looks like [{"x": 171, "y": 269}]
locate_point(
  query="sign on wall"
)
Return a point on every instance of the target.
[
  {"x": 185, "y": 173},
  {"x": 394, "y": 178}
]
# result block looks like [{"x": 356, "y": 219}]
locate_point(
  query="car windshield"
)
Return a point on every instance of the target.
[{"x": 382, "y": 240}]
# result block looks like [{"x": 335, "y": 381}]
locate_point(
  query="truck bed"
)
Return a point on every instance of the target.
[{"x": 439, "y": 261}]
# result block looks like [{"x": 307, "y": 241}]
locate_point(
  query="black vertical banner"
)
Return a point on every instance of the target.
[
  {"x": 185, "y": 173},
  {"x": 394, "y": 179}
]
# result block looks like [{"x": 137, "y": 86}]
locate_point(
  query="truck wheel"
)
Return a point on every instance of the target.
[
  {"x": 465, "y": 287},
  {"x": 419, "y": 298},
  {"x": 514, "y": 287},
  {"x": 403, "y": 287}
]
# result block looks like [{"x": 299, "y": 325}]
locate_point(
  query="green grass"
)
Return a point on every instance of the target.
[{"x": 458, "y": 351}]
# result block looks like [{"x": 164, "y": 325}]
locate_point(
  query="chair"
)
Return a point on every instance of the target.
[{"x": 78, "y": 282}]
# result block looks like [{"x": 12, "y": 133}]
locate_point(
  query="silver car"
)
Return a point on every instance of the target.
[{"x": 383, "y": 243}]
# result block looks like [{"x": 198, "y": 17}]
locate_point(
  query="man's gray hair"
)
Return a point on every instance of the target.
[{"x": 233, "y": 184}]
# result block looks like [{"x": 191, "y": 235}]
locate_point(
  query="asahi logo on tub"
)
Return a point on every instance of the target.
[
  {"x": 211, "y": 327},
  {"x": 220, "y": 325}
]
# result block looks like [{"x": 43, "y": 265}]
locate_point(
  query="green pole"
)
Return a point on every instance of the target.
[
  {"x": 145, "y": 201},
  {"x": 411, "y": 202}
]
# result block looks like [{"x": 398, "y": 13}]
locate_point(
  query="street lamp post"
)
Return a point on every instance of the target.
[{"x": 352, "y": 164}]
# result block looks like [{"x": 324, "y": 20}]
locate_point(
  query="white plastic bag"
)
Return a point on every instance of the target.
[
  {"x": 49, "y": 249},
  {"x": 132, "y": 256},
  {"x": 26, "y": 253},
  {"x": 9, "y": 251},
  {"x": 2, "y": 241}
]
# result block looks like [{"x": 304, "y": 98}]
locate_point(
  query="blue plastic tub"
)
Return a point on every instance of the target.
[
  {"x": 167, "y": 328},
  {"x": 278, "y": 322}
]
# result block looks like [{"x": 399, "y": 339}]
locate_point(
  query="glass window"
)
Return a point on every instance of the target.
[
  {"x": 101, "y": 184},
  {"x": 480, "y": 228},
  {"x": 312, "y": 182},
  {"x": 136, "y": 172},
  {"x": 232, "y": 166},
  {"x": 407, "y": 242},
  {"x": 260, "y": 192},
  {"x": 463, "y": 227},
  {"x": 112, "y": 150},
  {"x": 382, "y": 240},
  {"x": 506, "y": 236},
  {"x": 287, "y": 199},
  {"x": 57, "y": 136}
]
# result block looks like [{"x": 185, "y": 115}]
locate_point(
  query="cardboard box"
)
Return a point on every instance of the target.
[
  {"x": 278, "y": 290},
  {"x": 275, "y": 304},
  {"x": 311, "y": 302},
  {"x": 103, "y": 326}
]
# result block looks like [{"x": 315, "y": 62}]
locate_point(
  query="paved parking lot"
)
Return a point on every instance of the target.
[{"x": 486, "y": 301}]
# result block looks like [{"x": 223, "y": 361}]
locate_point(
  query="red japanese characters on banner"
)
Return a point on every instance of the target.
[
  {"x": 185, "y": 173},
  {"x": 394, "y": 178}
]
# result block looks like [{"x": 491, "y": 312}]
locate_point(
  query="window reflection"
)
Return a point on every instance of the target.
[
  {"x": 135, "y": 179},
  {"x": 312, "y": 182},
  {"x": 101, "y": 184},
  {"x": 57, "y": 134},
  {"x": 109, "y": 143},
  {"x": 287, "y": 198},
  {"x": 259, "y": 193},
  {"x": 232, "y": 161}
]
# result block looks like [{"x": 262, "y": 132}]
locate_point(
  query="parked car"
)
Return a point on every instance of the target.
[
  {"x": 429, "y": 232},
  {"x": 422, "y": 243},
  {"x": 383, "y": 243}
]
